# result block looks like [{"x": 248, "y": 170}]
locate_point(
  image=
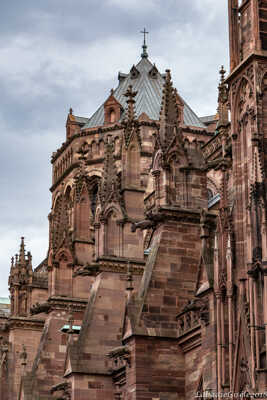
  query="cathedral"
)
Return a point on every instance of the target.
[{"x": 155, "y": 282}]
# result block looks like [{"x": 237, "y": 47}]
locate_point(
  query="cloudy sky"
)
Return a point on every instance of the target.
[{"x": 60, "y": 53}]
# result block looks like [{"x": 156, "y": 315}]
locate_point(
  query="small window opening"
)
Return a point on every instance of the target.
[{"x": 112, "y": 116}]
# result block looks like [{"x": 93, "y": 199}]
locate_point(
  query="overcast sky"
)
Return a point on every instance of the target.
[{"x": 60, "y": 53}]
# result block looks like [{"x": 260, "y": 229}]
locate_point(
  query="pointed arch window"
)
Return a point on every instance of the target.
[
  {"x": 112, "y": 234},
  {"x": 112, "y": 116},
  {"x": 134, "y": 165},
  {"x": 94, "y": 193}
]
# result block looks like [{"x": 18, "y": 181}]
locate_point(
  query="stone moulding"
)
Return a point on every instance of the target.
[
  {"x": 116, "y": 127},
  {"x": 59, "y": 303},
  {"x": 26, "y": 323},
  {"x": 63, "y": 176},
  {"x": 120, "y": 267},
  {"x": 179, "y": 214}
]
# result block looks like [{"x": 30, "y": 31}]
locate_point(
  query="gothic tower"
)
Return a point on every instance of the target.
[{"x": 244, "y": 185}]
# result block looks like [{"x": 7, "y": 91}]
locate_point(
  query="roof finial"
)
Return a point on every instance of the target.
[{"x": 144, "y": 53}]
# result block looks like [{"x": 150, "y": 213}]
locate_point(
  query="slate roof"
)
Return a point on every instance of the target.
[
  {"x": 208, "y": 118},
  {"x": 4, "y": 306},
  {"x": 148, "y": 98},
  {"x": 4, "y": 300},
  {"x": 81, "y": 120}
]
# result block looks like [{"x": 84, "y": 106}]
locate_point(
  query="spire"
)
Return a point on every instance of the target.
[
  {"x": 144, "y": 53},
  {"x": 110, "y": 186},
  {"x": 222, "y": 100},
  {"x": 169, "y": 111},
  {"x": 222, "y": 73},
  {"x": 130, "y": 124},
  {"x": 22, "y": 252},
  {"x": 21, "y": 266}
]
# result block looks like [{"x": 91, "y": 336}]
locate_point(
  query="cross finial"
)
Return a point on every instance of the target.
[
  {"x": 130, "y": 93},
  {"x": 144, "y": 53}
]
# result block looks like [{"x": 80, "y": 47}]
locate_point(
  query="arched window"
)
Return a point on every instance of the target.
[
  {"x": 63, "y": 275},
  {"x": 112, "y": 116},
  {"x": 68, "y": 204},
  {"x": 112, "y": 235},
  {"x": 94, "y": 199},
  {"x": 134, "y": 166},
  {"x": 94, "y": 149},
  {"x": 83, "y": 215}
]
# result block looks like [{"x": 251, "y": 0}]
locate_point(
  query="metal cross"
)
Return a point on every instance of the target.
[{"x": 144, "y": 32}]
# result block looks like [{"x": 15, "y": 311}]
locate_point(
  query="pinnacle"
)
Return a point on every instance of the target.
[
  {"x": 130, "y": 94},
  {"x": 222, "y": 99},
  {"x": 22, "y": 251},
  {"x": 169, "y": 110},
  {"x": 222, "y": 73}
]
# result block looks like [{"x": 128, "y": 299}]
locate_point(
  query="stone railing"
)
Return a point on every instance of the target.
[
  {"x": 187, "y": 321},
  {"x": 120, "y": 358},
  {"x": 194, "y": 313}
]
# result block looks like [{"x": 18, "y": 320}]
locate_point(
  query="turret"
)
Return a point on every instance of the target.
[
  {"x": 20, "y": 280},
  {"x": 178, "y": 164}
]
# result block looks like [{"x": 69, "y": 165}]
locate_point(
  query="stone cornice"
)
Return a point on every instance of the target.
[
  {"x": 240, "y": 67},
  {"x": 190, "y": 339},
  {"x": 201, "y": 131},
  {"x": 112, "y": 264},
  {"x": 61, "y": 303},
  {"x": 25, "y": 323},
  {"x": 95, "y": 131},
  {"x": 63, "y": 176},
  {"x": 180, "y": 214}
]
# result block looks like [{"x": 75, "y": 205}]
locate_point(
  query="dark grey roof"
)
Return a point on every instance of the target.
[
  {"x": 148, "y": 98},
  {"x": 208, "y": 118},
  {"x": 4, "y": 306},
  {"x": 81, "y": 120}
]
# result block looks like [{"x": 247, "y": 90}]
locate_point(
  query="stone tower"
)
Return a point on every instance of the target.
[{"x": 241, "y": 277}]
